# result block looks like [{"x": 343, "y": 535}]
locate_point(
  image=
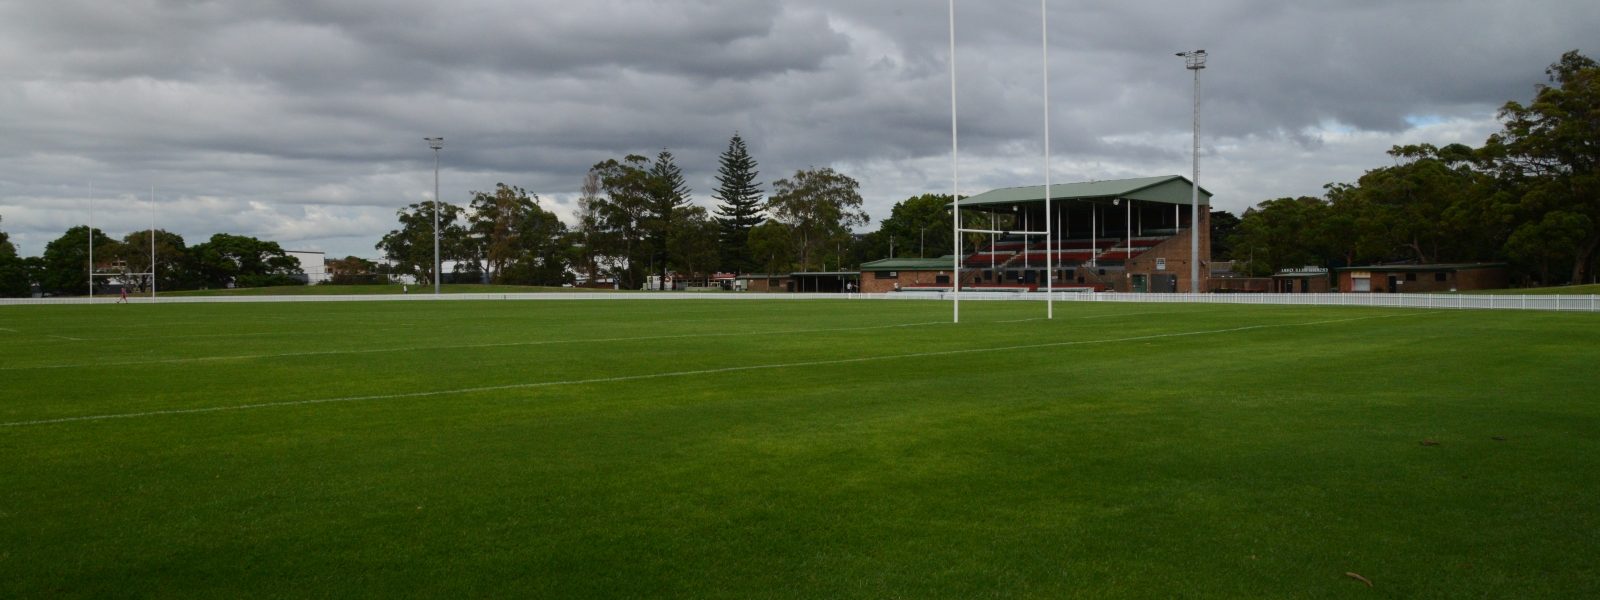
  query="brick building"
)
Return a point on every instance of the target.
[
  {"x": 762, "y": 282},
  {"x": 1304, "y": 280},
  {"x": 892, "y": 274},
  {"x": 1417, "y": 279}
]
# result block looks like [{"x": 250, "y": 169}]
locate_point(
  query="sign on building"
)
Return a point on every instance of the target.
[{"x": 1161, "y": 264}]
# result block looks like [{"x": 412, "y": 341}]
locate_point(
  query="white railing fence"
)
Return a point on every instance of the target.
[{"x": 1587, "y": 303}]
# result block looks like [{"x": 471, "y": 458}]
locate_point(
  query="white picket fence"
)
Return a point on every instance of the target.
[{"x": 1585, "y": 303}]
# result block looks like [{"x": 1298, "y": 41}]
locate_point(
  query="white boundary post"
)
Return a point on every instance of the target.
[{"x": 1049, "y": 235}]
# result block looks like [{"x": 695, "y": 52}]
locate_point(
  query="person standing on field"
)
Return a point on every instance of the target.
[{"x": 123, "y": 298}]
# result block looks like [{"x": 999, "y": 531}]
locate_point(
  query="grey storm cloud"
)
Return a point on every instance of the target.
[{"x": 301, "y": 121}]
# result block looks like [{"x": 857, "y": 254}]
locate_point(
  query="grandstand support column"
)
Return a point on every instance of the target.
[
  {"x": 955, "y": 178},
  {"x": 1094, "y": 235},
  {"x": 1049, "y": 232}
]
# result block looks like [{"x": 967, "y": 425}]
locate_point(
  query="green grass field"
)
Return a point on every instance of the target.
[{"x": 808, "y": 449}]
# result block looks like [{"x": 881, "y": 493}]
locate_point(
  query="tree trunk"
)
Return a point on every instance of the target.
[
  {"x": 1586, "y": 250},
  {"x": 1416, "y": 246}
]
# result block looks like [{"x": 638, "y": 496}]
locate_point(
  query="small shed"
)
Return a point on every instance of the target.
[
  {"x": 762, "y": 282},
  {"x": 1423, "y": 278},
  {"x": 827, "y": 282},
  {"x": 891, "y": 274},
  {"x": 1302, "y": 280}
]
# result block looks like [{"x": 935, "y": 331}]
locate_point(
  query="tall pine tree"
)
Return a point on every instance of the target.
[
  {"x": 739, "y": 208},
  {"x": 668, "y": 195}
]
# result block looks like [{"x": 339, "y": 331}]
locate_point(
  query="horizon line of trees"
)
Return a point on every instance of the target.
[
  {"x": 224, "y": 260},
  {"x": 1529, "y": 197}
]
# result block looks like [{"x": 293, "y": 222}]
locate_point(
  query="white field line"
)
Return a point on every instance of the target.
[
  {"x": 1105, "y": 316},
  {"x": 70, "y": 339},
  {"x": 205, "y": 335},
  {"x": 456, "y": 347},
  {"x": 716, "y": 371},
  {"x": 9, "y": 330}
]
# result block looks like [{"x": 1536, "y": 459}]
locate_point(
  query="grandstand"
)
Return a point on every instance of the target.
[{"x": 1125, "y": 235}]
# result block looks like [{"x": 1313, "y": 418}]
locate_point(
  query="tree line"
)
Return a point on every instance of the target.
[
  {"x": 635, "y": 219},
  {"x": 224, "y": 260},
  {"x": 1529, "y": 197}
]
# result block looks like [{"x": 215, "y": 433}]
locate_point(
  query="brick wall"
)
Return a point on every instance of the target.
[
  {"x": 876, "y": 282},
  {"x": 1176, "y": 252}
]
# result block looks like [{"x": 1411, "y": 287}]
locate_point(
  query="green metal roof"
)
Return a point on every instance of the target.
[
  {"x": 910, "y": 264},
  {"x": 1166, "y": 189},
  {"x": 826, "y": 273},
  {"x": 1435, "y": 267}
]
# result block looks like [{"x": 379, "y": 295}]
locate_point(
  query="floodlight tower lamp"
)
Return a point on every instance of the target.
[
  {"x": 1195, "y": 60},
  {"x": 437, "y": 144}
]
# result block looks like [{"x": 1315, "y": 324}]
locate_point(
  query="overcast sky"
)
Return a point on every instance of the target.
[{"x": 301, "y": 121}]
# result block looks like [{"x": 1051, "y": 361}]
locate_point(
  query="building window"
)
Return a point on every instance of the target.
[
  {"x": 1440, "y": 276},
  {"x": 887, "y": 274},
  {"x": 942, "y": 280},
  {"x": 1411, "y": 276}
]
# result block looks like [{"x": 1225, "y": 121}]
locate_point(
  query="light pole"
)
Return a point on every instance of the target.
[
  {"x": 437, "y": 143},
  {"x": 923, "y": 247},
  {"x": 1195, "y": 60}
]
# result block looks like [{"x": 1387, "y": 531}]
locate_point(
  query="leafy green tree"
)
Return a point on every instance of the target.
[
  {"x": 410, "y": 248},
  {"x": 739, "y": 204},
  {"x": 773, "y": 245},
  {"x": 590, "y": 239},
  {"x": 1281, "y": 233},
  {"x": 1543, "y": 246},
  {"x": 353, "y": 270},
  {"x": 1413, "y": 209},
  {"x": 7, "y": 249},
  {"x": 244, "y": 261},
  {"x": 693, "y": 244},
  {"x": 820, "y": 206},
  {"x": 14, "y": 277},
  {"x": 508, "y": 231},
  {"x": 64, "y": 266},
  {"x": 917, "y": 226},
  {"x": 1550, "y": 149},
  {"x": 1223, "y": 224},
  {"x": 175, "y": 268},
  {"x": 613, "y": 226}
]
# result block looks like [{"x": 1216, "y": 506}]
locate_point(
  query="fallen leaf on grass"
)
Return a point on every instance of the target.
[
  {"x": 1429, "y": 443},
  {"x": 1498, "y": 439},
  {"x": 1358, "y": 577}
]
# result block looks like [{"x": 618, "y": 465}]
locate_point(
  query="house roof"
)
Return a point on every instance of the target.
[
  {"x": 1426, "y": 267},
  {"x": 910, "y": 264},
  {"x": 1166, "y": 189}
]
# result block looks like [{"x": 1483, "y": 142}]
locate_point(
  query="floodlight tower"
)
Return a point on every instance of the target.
[
  {"x": 437, "y": 143},
  {"x": 1195, "y": 60}
]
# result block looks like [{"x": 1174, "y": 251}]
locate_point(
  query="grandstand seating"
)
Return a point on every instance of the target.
[
  {"x": 1014, "y": 252},
  {"x": 984, "y": 259}
]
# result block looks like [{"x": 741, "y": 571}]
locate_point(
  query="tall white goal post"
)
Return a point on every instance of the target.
[{"x": 955, "y": 177}]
